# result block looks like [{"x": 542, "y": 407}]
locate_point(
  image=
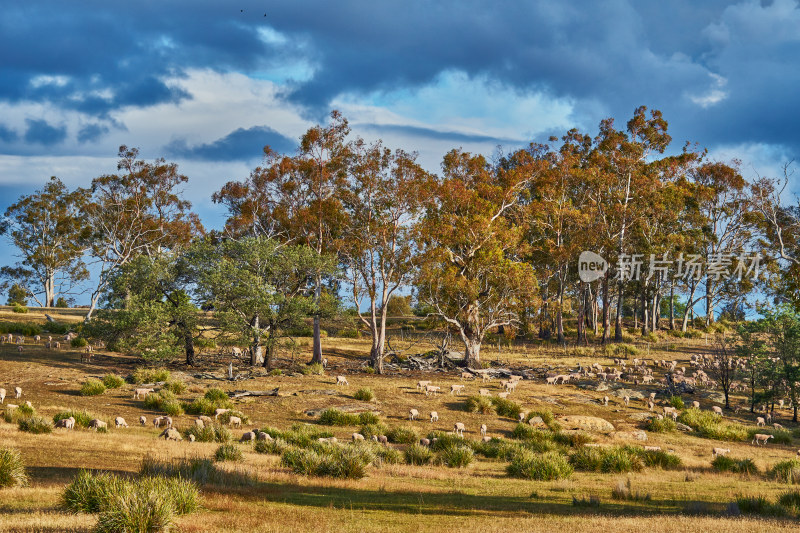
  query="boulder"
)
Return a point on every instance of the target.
[
  {"x": 682, "y": 427},
  {"x": 630, "y": 393},
  {"x": 637, "y": 434},
  {"x": 641, "y": 417},
  {"x": 536, "y": 421},
  {"x": 601, "y": 387},
  {"x": 586, "y": 423}
]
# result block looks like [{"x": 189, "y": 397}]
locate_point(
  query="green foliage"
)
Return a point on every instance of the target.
[
  {"x": 385, "y": 455},
  {"x": 200, "y": 470},
  {"x": 17, "y": 295},
  {"x": 779, "y": 436},
  {"x": 26, "y": 410},
  {"x": 228, "y": 452},
  {"x": 300, "y": 435},
  {"x": 759, "y": 505},
  {"x": 786, "y": 471},
  {"x": 175, "y": 387},
  {"x": 541, "y": 467},
  {"x": 316, "y": 369},
  {"x": 479, "y": 404},
  {"x": 346, "y": 462},
  {"x": 276, "y": 372},
  {"x": 417, "y": 454},
  {"x": 573, "y": 440},
  {"x": 29, "y": 329},
  {"x": 12, "y": 469},
  {"x": 790, "y": 500},
  {"x": 225, "y": 418},
  {"x": 113, "y": 381},
  {"x": 624, "y": 491},
  {"x": 92, "y": 387},
  {"x": 364, "y": 394},
  {"x": 79, "y": 342},
  {"x": 348, "y": 333},
  {"x": 17, "y": 308},
  {"x": 677, "y": 402},
  {"x": 90, "y": 492},
  {"x": 402, "y": 435},
  {"x": 62, "y": 303},
  {"x": 660, "y": 459},
  {"x": 143, "y": 374},
  {"x": 612, "y": 459},
  {"x": 711, "y": 426},
  {"x": 445, "y": 440},
  {"x": 368, "y": 430},
  {"x": 35, "y": 424},
  {"x": 209, "y": 433},
  {"x": 335, "y": 417},
  {"x": 661, "y": 425},
  {"x": 216, "y": 395},
  {"x": 506, "y": 407},
  {"x": 458, "y": 456},
  {"x": 273, "y": 447},
  {"x": 82, "y": 418},
  {"x": 164, "y": 401},
  {"x": 723, "y": 463}
]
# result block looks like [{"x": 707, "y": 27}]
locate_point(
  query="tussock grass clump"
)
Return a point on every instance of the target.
[
  {"x": 368, "y": 430},
  {"x": 164, "y": 401},
  {"x": 534, "y": 439},
  {"x": 786, "y": 471},
  {"x": 364, "y": 394},
  {"x": 35, "y": 424},
  {"x": 212, "y": 400},
  {"x": 315, "y": 369},
  {"x": 660, "y": 425},
  {"x": 144, "y": 374},
  {"x": 12, "y": 469},
  {"x": 542, "y": 467},
  {"x": 723, "y": 463},
  {"x": 225, "y": 418},
  {"x": 198, "y": 469},
  {"x": 82, "y": 418},
  {"x": 677, "y": 402},
  {"x": 92, "y": 387},
  {"x": 660, "y": 459},
  {"x": 272, "y": 447},
  {"x": 175, "y": 386},
  {"x": 300, "y": 435},
  {"x": 506, "y": 407},
  {"x": 499, "y": 449},
  {"x": 385, "y": 455},
  {"x": 458, "y": 456},
  {"x": 547, "y": 417},
  {"x": 712, "y": 426},
  {"x": 335, "y": 417},
  {"x": 573, "y": 440},
  {"x": 228, "y": 452},
  {"x": 445, "y": 440},
  {"x": 779, "y": 436},
  {"x": 623, "y": 491},
  {"x": 479, "y": 404},
  {"x": 215, "y": 395},
  {"x": 417, "y": 454},
  {"x": 90, "y": 492},
  {"x": 614, "y": 459},
  {"x": 790, "y": 500},
  {"x": 26, "y": 410},
  {"x": 759, "y": 505},
  {"x": 209, "y": 433},
  {"x": 347, "y": 462},
  {"x": 113, "y": 381},
  {"x": 402, "y": 435},
  {"x": 590, "y": 501}
]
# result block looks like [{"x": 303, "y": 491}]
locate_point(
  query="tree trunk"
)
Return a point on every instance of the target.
[
  {"x": 255, "y": 348},
  {"x": 709, "y": 302},
  {"x": 472, "y": 352},
  {"x": 270, "y": 350},
  {"x": 606, "y": 315},
  {"x": 188, "y": 345},
  {"x": 49, "y": 290},
  {"x": 581, "y": 313},
  {"x": 689, "y": 307},
  {"x": 316, "y": 356},
  {"x": 618, "y": 314},
  {"x": 672, "y": 304}
]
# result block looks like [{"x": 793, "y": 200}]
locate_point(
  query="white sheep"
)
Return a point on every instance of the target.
[
  {"x": 17, "y": 392},
  {"x": 220, "y": 411},
  {"x": 427, "y": 442},
  {"x": 66, "y": 423},
  {"x": 627, "y": 400},
  {"x": 483, "y": 430},
  {"x": 484, "y": 392},
  {"x": 97, "y": 424},
  {"x": 235, "y": 421},
  {"x": 261, "y": 435},
  {"x": 456, "y": 389},
  {"x": 696, "y": 404},
  {"x": 191, "y": 437},
  {"x": 432, "y": 389},
  {"x": 142, "y": 420},
  {"x": 205, "y": 419},
  {"x": 248, "y": 436},
  {"x": 760, "y": 438},
  {"x": 717, "y": 410},
  {"x": 777, "y": 426},
  {"x": 141, "y": 393},
  {"x": 652, "y": 396},
  {"x": 760, "y": 421},
  {"x": 341, "y": 380},
  {"x": 119, "y": 422},
  {"x": 717, "y": 452},
  {"x": 422, "y": 384},
  {"x": 605, "y": 401},
  {"x": 652, "y": 448},
  {"x": 458, "y": 429},
  {"x": 171, "y": 434},
  {"x": 650, "y": 405},
  {"x": 2, "y": 395},
  {"x": 413, "y": 414},
  {"x": 199, "y": 423},
  {"x": 434, "y": 416},
  {"x": 467, "y": 375},
  {"x": 357, "y": 436},
  {"x": 236, "y": 351},
  {"x": 157, "y": 421},
  {"x": 503, "y": 395},
  {"x": 522, "y": 416}
]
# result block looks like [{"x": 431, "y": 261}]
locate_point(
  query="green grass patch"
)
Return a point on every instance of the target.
[
  {"x": 417, "y": 454},
  {"x": 145, "y": 374},
  {"x": 228, "y": 452},
  {"x": 723, "y": 463},
  {"x": 712, "y": 426},
  {"x": 92, "y": 387},
  {"x": 364, "y": 394},
  {"x": 35, "y": 424},
  {"x": 402, "y": 435},
  {"x": 113, "y": 381},
  {"x": 82, "y": 418},
  {"x": 786, "y": 471},
  {"x": 506, "y": 407},
  {"x": 209, "y": 433},
  {"x": 541, "y": 467},
  {"x": 12, "y": 469},
  {"x": 458, "y": 456},
  {"x": 335, "y": 417},
  {"x": 479, "y": 404}
]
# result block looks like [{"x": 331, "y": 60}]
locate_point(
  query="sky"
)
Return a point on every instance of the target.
[{"x": 208, "y": 84}]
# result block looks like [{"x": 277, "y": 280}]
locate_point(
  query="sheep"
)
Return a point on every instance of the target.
[
  {"x": 19, "y": 348},
  {"x": 382, "y": 439},
  {"x": 503, "y": 395},
  {"x": 413, "y": 414},
  {"x": 434, "y": 416},
  {"x": 235, "y": 421},
  {"x": 191, "y": 437},
  {"x": 29, "y": 404},
  {"x": 484, "y": 392},
  {"x": 427, "y": 442},
  {"x": 769, "y": 417},
  {"x": 141, "y": 393},
  {"x": 696, "y": 404},
  {"x": 220, "y": 411},
  {"x": 605, "y": 401},
  {"x": 627, "y": 400},
  {"x": 37, "y": 338},
  {"x": 652, "y": 396},
  {"x": 248, "y": 436},
  {"x": 66, "y": 423},
  {"x": 199, "y": 423},
  {"x": 510, "y": 385},
  {"x": 650, "y": 405},
  {"x": 717, "y": 410},
  {"x": 456, "y": 389},
  {"x": 716, "y": 452},
  {"x": 652, "y": 448},
  {"x": 119, "y": 422},
  {"x": 205, "y": 419},
  {"x": 551, "y": 380},
  {"x": 236, "y": 351},
  {"x": 483, "y": 430},
  {"x": 261, "y": 435},
  {"x": 467, "y": 375},
  {"x": 422, "y": 384},
  {"x": 171, "y": 434},
  {"x": 357, "y": 436},
  {"x": 777, "y": 426},
  {"x": 17, "y": 392},
  {"x": 325, "y": 362},
  {"x": 2, "y": 395},
  {"x": 761, "y": 439},
  {"x": 157, "y": 421},
  {"x": 515, "y": 378},
  {"x": 458, "y": 429},
  {"x": 432, "y": 389},
  {"x": 143, "y": 420},
  {"x": 97, "y": 424},
  {"x": 760, "y": 422},
  {"x": 522, "y": 416},
  {"x": 486, "y": 377},
  {"x": 341, "y": 380}
]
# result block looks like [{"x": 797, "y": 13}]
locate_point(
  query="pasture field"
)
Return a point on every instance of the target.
[{"x": 263, "y": 495}]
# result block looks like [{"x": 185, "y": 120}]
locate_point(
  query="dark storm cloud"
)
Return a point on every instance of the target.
[
  {"x": 91, "y": 132},
  {"x": 7, "y": 134},
  {"x": 40, "y": 132},
  {"x": 242, "y": 144}
]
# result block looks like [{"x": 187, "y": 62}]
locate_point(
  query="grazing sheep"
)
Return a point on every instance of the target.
[
  {"x": 357, "y": 436},
  {"x": 551, "y": 380},
  {"x": 220, "y": 411},
  {"x": 235, "y": 421},
  {"x": 97, "y": 424},
  {"x": 760, "y": 422},
  {"x": 19, "y": 348},
  {"x": 141, "y": 393},
  {"x": 467, "y": 375},
  {"x": 142, "y": 420},
  {"x": 119, "y": 422},
  {"x": 341, "y": 380},
  {"x": 29, "y": 404},
  {"x": 261, "y": 435},
  {"x": 650, "y": 404},
  {"x": 484, "y": 392},
  {"x": 382, "y": 439},
  {"x": 605, "y": 401},
  {"x": 17, "y": 392},
  {"x": 503, "y": 395},
  {"x": 696, "y": 404},
  {"x": 486, "y": 438},
  {"x": 325, "y": 362},
  {"x": 427, "y": 442},
  {"x": 432, "y": 389},
  {"x": 171, "y": 434},
  {"x": 37, "y": 338},
  {"x": 434, "y": 416},
  {"x": 717, "y": 410},
  {"x": 422, "y": 384},
  {"x": 413, "y": 414},
  {"x": 236, "y": 351},
  {"x": 456, "y": 389},
  {"x": 510, "y": 385},
  {"x": 66, "y": 423},
  {"x": 206, "y": 419},
  {"x": 627, "y": 400},
  {"x": 716, "y": 452},
  {"x": 483, "y": 430},
  {"x": 522, "y": 416},
  {"x": 486, "y": 377},
  {"x": 248, "y": 436},
  {"x": 199, "y": 423},
  {"x": 760, "y": 438},
  {"x": 652, "y": 396},
  {"x": 191, "y": 437},
  {"x": 777, "y": 426},
  {"x": 168, "y": 421},
  {"x": 652, "y": 448},
  {"x": 157, "y": 421},
  {"x": 2, "y": 395}
]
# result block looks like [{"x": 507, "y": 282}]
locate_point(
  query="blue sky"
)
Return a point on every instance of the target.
[{"x": 207, "y": 84}]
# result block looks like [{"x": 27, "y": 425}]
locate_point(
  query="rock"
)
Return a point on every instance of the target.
[
  {"x": 601, "y": 387},
  {"x": 631, "y": 435},
  {"x": 586, "y": 423},
  {"x": 716, "y": 397},
  {"x": 536, "y": 421},
  {"x": 630, "y": 393},
  {"x": 682, "y": 427},
  {"x": 641, "y": 417}
]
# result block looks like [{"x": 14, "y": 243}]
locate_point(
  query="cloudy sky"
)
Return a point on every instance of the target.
[{"x": 208, "y": 84}]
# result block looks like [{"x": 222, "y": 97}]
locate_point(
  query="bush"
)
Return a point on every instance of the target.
[
  {"x": 17, "y": 308},
  {"x": 335, "y": 417},
  {"x": 274, "y": 446},
  {"x": 90, "y": 492},
  {"x": 300, "y": 435},
  {"x": 711, "y": 426},
  {"x": 164, "y": 401},
  {"x": 364, "y": 394},
  {"x": 12, "y": 469},
  {"x": 786, "y": 471},
  {"x": 175, "y": 387},
  {"x": 35, "y": 424},
  {"x": 385, "y": 455},
  {"x": 347, "y": 462},
  {"x": 149, "y": 375},
  {"x": 417, "y": 454},
  {"x": 614, "y": 459},
  {"x": 148, "y": 505},
  {"x": 209, "y": 433},
  {"x": 92, "y": 387},
  {"x": 79, "y": 342},
  {"x": 26, "y": 410},
  {"x": 402, "y": 435},
  {"x": 316, "y": 369},
  {"x": 722, "y": 463},
  {"x": 542, "y": 467},
  {"x": 479, "y": 404},
  {"x": 200, "y": 470},
  {"x": 790, "y": 500},
  {"x": 225, "y": 418},
  {"x": 456, "y": 456},
  {"x": 368, "y": 430},
  {"x": 660, "y": 425},
  {"x": 759, "y": 505},
  {"x": 677, "y": 402},
  {"x": 624, "y": 491},
  {"x": 573, "y": 440},
  {"x": 534, "y": 439},
  {"x": 445, "y": 440},
  {"x": 228, "y": 452},
  {"x": 216, "y": 395},
  {"x": 660, "y": 459},
  {"x": 28, "y": 329},
  {"x": 506, "y": 407},
  {"x": 82, "y": 418},
  {"x": 112, "y": 381}
]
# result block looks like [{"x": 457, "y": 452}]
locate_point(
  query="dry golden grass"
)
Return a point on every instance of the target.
[{"x": 393, "y": 498}]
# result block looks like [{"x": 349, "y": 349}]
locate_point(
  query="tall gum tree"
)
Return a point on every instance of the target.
[{"x": 471, "y": 271}]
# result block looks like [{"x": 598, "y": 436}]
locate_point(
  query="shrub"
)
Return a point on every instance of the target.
[
  {"x": 506, "y": 407},
  {"x": 225, "y": 418},
  {"x": 82, "y": 418},
  {"x": 385, "y": 455},
  {"x": 445, "y": 440},
  {"x": 26, "y": 410},
  {"x": 402, "y": 435},
  {"x": 790, "y": 500},
  {"x": 209, "y": 433},
  {"x": 17, "y": 308},
  {"x": 347, "y": 462},
  {"x": 228, "y": 452},
  {"x": 79, "y": 342},
  {"x": 616, "y": 459},
  {"x": 368, "y": 430},
  {"x": 175, "y": 387},
  {"x": 456, "y": 456},
  {"x": 35, "y": 424},
  {"x": 29, "y": 329},
  {"x": 364, "y": 394},
  {"x": 92, "y": 387},
  {"x": 112, "y": 381},
  {"x": 759, "y": 505},
  {"x": 276, "y": 372},
  {"x": 573, "y": 440},
  {"x": 660, "y": 425},
  {"x": 90, "y": 492},
  {"x": 677, "y": 402},
  {"x": 164, "y": 401},
  {"x": 624, "y": 491},
  {"x": 182, "y": 493},
  {"x": 216, "y": 395},
  {"x": 12, "y": 469},
  {"x": 300, "y": 435},
  {"x": 149, "y": 375},
  {"x": 786, "y": 471},
  {"x": 316, "y": 369},
  {"x": 274, "y": 446},
  {"x": 197, "y": 469},
  {"x": 479, "y": 404},
  {"x": 417, "y": 454},
  {"x": 722, "y": 463},
  {"x": 660, "y": 459},
  {"x": 547, "y": 417},
  {"x": 335, "y": 417},
  {"x": 711, "y": 426},
  {"x": 136, "y": 510},
  {"x": 542, "y": 467}
]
